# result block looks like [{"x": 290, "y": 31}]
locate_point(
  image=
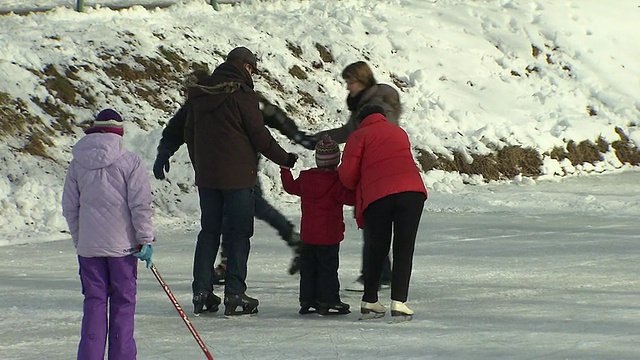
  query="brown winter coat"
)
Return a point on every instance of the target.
[
  {"x": 225, "y": 131},
  {"x": 379, "y": 94}
]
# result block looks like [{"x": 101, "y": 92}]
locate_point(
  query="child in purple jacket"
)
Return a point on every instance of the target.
[{"x": 107, "y": 204}]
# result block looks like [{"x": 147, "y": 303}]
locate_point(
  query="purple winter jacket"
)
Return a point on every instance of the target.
[{"x": 107, "y": 198}]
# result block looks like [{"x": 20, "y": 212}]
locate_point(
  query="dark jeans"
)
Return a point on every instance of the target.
[
  {"x": 236, "y": 207},
  {"x": 386, "y": 265},
  {"x": 319, "y": 274},
  {"x": 267, "y": 213},
  {"x": 398, "y": 215}
]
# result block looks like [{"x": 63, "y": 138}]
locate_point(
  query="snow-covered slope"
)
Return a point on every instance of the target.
[{"x": 474, "y": 76}]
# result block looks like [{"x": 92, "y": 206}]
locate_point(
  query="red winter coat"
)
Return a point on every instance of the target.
[
  {"x": 322, "y": 196},
  {"x": 377, "y": 162}
]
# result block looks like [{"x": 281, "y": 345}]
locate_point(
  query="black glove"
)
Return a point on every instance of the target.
[
  {"x": 291, "y": 161},
  {"x": 308, "y": 141},
  {"x": 161, "y": 165}
]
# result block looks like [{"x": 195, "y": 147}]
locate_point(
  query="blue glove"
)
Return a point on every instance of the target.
[{"x": 145, "y": 254}]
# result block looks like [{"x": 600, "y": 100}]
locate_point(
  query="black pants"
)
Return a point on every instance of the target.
[
  {"x": 319, "y": 274},
  {"x": 398, "y": 215},
  {"x": 386, "y": 265}
]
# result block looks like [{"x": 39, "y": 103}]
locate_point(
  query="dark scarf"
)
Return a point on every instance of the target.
[
  {"x": 229, "y": 70},
  {"x": 353, "y": 103}
]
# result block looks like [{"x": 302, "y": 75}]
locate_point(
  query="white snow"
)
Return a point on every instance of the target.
[{"x": 531, "y": 268}]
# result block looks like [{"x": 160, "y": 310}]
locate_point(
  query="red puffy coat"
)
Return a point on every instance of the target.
[
  {"x": 377, "y": 162},
  {"x": 322, "y": 196}
]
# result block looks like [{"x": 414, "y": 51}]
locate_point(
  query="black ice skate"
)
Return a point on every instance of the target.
[
  {"x": 307, "y": 307},
  {"x": 205, "y": 302},
  {"x": 338, "y": 308},
  {"x": 240, "y": 305}
]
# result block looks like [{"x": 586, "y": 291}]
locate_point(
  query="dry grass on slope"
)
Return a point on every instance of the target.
[{"x": 169, "y": 69}]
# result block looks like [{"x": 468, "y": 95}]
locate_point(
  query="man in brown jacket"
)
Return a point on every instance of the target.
[{"x": 225, "y": 133}]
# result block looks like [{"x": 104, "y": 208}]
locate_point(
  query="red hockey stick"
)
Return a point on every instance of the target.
[{"x": 184, "y": 317}]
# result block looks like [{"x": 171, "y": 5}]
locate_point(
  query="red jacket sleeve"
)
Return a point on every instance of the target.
[
  {"x": 290, "y": 185},
  {"x": 349, "y": 169},
  {"x": 344, "y": 195}
]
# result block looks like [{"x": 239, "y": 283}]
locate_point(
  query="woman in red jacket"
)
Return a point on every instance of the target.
[
  {"x": 378, "y": 165},
  {"x": 321, "y": 230}
]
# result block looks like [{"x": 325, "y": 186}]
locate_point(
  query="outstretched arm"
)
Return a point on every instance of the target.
[
  {"x": 259, "y": 135},
  {"x": 344, "y": 195},
  {"x": 290, "y": 185},
  {"x": 275, "y": 118},
  {"x": 341, "y": 134}
]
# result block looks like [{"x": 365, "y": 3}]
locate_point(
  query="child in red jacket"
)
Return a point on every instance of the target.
[{"x": 322, "y": 229}]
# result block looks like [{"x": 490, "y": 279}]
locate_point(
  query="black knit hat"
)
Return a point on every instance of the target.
[
  {"x": 368, "y": 110},
  {"x": 244, "y": 55}
]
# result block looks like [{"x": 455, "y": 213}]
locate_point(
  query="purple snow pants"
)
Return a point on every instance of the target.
[{"x": 114, "y": 280}]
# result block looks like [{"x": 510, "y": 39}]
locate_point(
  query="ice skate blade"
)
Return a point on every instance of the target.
[
  {"x": 240, "y": 316},
  {"x": 370, "y": 315},
  {"x": 354, "y": 288},
  {"x": 333, "y": 313},
  {"x": 400, "y": 318},
  {"x": 240, "y": 311},
  {"x": 205, "y": 313}
]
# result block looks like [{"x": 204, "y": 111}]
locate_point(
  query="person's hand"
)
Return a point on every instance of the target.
[
  {"x": 308, "y": 141},
  {"x": 291, "y": 161},
  {"x": 145, "y": 253},
  {"x": 161, "y": 165}
]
